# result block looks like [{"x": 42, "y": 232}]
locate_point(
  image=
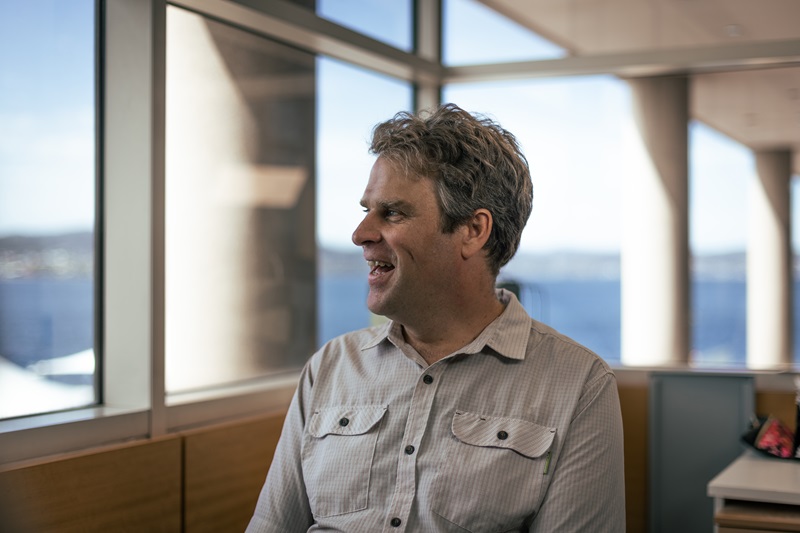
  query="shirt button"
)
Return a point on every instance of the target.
[
  {"x": 395, "y": 522},
  {"x": 502, "y": 435},
  {"x": 343, "y": 422},
  {"x": 409, "y": 449},
  {"x": 427, "y": 379}
]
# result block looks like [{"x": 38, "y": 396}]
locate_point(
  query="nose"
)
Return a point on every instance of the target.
[{"x": 366, "y": 232}]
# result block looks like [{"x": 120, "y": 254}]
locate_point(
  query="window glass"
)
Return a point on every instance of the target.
[
  {"x": 240, "y": 248},
  {"x": 389, "y": 21},
  {"x": 473, "y": 33},
  {"x": 347, "y": 109},
  {"x": 720, "y": 171},
  {"x": 47, "y": 206},
  {"x": 574, "y": 132}
]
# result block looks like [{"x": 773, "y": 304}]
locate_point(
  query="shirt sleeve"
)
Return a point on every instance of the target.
[
  {"x": 587, "y": 492},
  {"x": 283, "y": 504}
]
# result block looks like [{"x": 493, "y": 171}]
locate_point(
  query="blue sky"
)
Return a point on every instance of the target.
[{"x": 46, "y": 116}]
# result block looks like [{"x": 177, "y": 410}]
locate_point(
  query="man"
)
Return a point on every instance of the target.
[{"x": 461, "y": 413}]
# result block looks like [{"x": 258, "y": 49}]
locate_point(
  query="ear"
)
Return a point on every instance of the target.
[{"x": 476, "y": 232}]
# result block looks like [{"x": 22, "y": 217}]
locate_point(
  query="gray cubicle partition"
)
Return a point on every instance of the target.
[{"x": 696, "y": 421}]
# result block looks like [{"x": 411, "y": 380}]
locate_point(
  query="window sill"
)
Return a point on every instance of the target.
[
  {"x": 35, "y": 437},
  {"x": 192, "y": 409}
]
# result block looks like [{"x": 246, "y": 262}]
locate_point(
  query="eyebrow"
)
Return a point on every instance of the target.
[{"x": 396, "y": 204}]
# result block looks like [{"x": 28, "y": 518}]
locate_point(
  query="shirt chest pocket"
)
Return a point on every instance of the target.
[
  {"x": 338, "y": 448},
  {"x": 494, "y": 472}
]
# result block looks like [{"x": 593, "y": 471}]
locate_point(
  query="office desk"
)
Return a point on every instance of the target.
[{"x": 757, "y": 494}]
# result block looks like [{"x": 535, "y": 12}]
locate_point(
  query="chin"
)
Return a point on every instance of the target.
[
  {"x": 380, "y": 309},
  {"x": 375, "y": 308}
]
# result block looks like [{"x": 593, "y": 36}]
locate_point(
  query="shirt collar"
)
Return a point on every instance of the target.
[
  {"x": 507, "y": 335},
  {"x": 381, "y": 334}
]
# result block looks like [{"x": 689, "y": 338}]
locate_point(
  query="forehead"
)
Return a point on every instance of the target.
[{"x": 388, "y": 182}]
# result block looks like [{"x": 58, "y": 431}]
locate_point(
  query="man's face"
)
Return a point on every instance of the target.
[{"x": 412, "y": 263}]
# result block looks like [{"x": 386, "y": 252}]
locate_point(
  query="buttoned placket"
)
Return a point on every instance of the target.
[{"x": 419, "y": 412}]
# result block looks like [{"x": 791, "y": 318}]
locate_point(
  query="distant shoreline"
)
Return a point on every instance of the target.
[{"x": 71, "y": 255}]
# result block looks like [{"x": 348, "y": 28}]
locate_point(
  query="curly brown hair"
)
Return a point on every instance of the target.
[{"x": 473, "y": 162}]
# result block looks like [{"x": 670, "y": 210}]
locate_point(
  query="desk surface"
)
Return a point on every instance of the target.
[{"x": 754, "y": 477}]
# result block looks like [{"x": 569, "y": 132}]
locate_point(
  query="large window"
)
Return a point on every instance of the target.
[
  {"x": 473, "y": 33},
  {"x": 720, "y": 171},
  {"x": 575, "y": 133},
  {"x": 389, "y": 21},
  {"x": 239, "y": 204},
  {"x": 233, "y": 154},
  {"x": 47, "y": 206},
  {"x": 347, "y": 109}
]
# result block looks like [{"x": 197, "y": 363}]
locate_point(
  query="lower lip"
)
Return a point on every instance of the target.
[{"x": 376, "y": 278}]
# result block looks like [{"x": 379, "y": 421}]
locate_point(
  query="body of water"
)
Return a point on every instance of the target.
[
  {"x": 587, "y": 311},
  {"x": 44, "y": 318},
  {"x": 47, "y": 318}
]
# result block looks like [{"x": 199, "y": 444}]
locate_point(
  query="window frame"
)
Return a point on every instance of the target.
[{"x": 125, "y": 37}]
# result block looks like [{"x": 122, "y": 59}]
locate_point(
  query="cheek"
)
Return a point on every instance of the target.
[
  {"x": 443, "y": 256},
  {"x": 427, "y": 250}
]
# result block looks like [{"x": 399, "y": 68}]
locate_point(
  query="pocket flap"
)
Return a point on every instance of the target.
[
  {"x": 345, "y": 420},
  {"x": 525, "y": 438}
]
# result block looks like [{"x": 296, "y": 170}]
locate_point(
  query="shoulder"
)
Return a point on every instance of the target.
[
  {"x": 347, "y": 347},
  {"x": 357, "y": 340},
  {"x": 581, "y": 377},
  {"x": 564, "y": 355}
]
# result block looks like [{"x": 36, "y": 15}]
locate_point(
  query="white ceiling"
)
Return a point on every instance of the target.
[{"x": 754, "y": 100}]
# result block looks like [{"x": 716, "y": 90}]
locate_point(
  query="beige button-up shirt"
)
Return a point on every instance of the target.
[{"x": 520, "y": 430}]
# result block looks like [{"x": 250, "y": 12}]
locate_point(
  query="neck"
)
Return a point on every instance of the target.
[{"x": 437, "y": 338}]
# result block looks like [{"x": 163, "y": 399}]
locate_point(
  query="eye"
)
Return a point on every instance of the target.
[{"x": 393, "y": 215}]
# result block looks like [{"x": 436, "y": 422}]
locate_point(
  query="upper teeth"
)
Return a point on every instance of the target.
[{"x": 374, "y": 264}]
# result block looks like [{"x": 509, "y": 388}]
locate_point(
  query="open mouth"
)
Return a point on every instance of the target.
[{"x": 379, "y": 267}]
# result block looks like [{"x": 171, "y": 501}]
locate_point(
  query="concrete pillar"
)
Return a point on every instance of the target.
[
  {"x": 428, "y": 35},
  {"x": 240, "y": 275},
  {"x": 769, "y": 260},
  {"x": 655, "y": 243}
]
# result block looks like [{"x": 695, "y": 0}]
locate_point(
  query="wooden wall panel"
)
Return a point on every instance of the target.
[
  {"x": 225, "y": 467},
  {"x": 777, "y": 403},
  {"x": 133, "y": 487},
  {"x": 633, "y": 402},
  {"x": 137, "y": 486}
]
